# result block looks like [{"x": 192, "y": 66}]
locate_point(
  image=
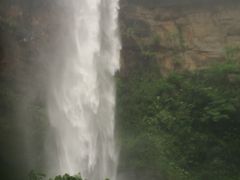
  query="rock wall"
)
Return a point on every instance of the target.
[
  {"x": 179, "y": 36},
  {"x": 27, "y": 37}
]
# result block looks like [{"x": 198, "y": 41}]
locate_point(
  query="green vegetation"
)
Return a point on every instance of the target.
[
  {"x": 231, "y": 53},
  {"x": 39, "y": 176},
  {"x": 184, "y": 126}
]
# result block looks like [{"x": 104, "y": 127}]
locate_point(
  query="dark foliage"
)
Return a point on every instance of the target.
[{"x": 185, "y": 126}]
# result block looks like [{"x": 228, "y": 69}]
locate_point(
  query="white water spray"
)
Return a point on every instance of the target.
[{"x": 82, "y": 110}]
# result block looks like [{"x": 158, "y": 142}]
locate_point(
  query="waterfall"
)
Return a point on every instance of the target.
[{"x": 81, "y": 106}]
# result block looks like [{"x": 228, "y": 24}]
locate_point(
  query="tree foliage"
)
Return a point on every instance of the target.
[
  {"x": 184, "y": 126},
  {"x": 40, "y": 176}
]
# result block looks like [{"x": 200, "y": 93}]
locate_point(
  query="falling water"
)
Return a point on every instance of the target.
[{"x": 81, "y": 109}]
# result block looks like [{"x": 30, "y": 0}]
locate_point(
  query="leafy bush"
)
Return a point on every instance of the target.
[{"x": 40, "y": 176}]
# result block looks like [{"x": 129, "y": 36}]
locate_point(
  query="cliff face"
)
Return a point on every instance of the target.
[
  {"x": 178, "y": 36},
  {"x": 27, "y": 30}
]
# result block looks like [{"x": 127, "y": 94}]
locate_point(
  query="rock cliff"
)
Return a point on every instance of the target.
[{"x": 179, "y": 35}]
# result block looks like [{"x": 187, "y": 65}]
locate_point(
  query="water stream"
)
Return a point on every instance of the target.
[{"x": 82, "y": 107}]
